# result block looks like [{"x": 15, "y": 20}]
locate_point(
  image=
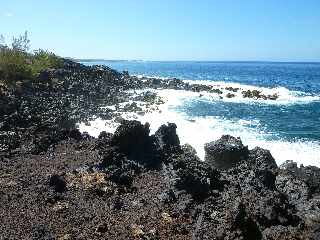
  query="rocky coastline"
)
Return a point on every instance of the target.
[{"x": 58, "y": 183}]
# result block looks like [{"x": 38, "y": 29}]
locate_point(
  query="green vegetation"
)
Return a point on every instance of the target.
[{"x": 17, "y": 63}]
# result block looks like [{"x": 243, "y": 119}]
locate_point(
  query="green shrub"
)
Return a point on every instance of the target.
[
  {"x": 17, "y": 63},
  {"x": 42, "y": 60},
  {"x": 14, "y": 65}
]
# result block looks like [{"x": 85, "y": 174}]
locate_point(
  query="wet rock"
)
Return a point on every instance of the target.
[
  {"x": 175, "y": 83},
  {"x": 230, "y": 95},
  {"x": 256, "y": 94},
  {"x": 251, "y": 94},
  {"x": 232, "y": 89},
  {"x": 215, "y": 90},
  {"x": 225, "y": 152}
]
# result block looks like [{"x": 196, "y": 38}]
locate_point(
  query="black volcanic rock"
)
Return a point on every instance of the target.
[
  {"x": 58, "y": 183},
  {"x": 167, "y": 138},
  {"x": 133, "y": 140},
  {"x": 225, "y": 152},
  {"x": 262, "y": 159},
  {"x": 194, "y": 176},
  {"x": 310, "y": 175}
]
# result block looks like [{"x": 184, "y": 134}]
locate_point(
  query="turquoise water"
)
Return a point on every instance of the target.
[{"x": 293, "y": 119}]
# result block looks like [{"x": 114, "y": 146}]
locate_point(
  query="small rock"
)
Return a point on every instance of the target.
[
  {"x": 166, "y": 217},
  {"x": 137, "y": 230}
]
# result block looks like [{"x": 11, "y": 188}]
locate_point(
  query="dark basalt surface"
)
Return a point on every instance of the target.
[{"x": 56, "y": 183}]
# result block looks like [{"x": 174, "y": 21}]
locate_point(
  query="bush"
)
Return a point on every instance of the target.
[
  {"x": 17, "y": 63},
  {"x": 14, "y": 65},
  {"x": 42, "y": 60}
]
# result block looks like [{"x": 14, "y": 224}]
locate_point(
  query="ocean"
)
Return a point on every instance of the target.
[{"x": 289, "y": 126}]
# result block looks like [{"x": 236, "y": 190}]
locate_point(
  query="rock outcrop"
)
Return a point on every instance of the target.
[{"x": 225, "y": 152}]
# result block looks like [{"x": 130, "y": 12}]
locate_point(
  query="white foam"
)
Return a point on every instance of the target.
[
  {"x": 200, "y": 130},
  {"x": 285, "y": 96}
]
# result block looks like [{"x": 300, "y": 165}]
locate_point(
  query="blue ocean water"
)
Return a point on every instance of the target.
[{"x": 291, "y": 126}]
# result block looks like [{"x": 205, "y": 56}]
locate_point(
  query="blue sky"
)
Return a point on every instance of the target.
[{"x": 276, "y": 30}]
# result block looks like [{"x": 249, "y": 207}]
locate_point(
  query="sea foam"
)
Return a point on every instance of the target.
[
  {"x": 197, "y": 131},
  {"x": 285, "y": 96}
]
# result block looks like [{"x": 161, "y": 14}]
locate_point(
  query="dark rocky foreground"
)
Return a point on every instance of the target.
[{"x": 56, "y": 183}]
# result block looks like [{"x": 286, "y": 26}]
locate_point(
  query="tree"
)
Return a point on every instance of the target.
[
  {"x": 2, "y": 41},
  {"x": 22, "y": 43}
]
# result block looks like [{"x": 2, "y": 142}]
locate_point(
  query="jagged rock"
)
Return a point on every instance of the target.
[
  {"x": 262, "y": 159},
  {"x": 194, "y": 176},
  {"x": 58, "y": 183},
  {"x": 295, "y": 189},
  {"x": 132, "y": 138},
  {"x": 225, "y": 152},
  {"x": 310, "y": 175},
  {"x": 187, "y": 149},
  {"x": 167, "y": 138}
]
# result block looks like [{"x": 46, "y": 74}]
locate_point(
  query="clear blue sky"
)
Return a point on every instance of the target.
[{"x": 281, "y": 30}]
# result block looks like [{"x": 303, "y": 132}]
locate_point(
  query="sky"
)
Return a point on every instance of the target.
[{"x": 241, "y": 30}]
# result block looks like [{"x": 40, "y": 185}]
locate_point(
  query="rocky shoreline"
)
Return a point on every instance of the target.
[{"x": 56, "y": 183}]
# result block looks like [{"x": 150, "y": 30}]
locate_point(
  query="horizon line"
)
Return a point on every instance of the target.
[{"x": 221, "y": 61}]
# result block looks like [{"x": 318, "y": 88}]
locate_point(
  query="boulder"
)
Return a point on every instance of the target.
[
  {"x": 131, "y": 137},
  {"x": 167, "y": 138},
  {"x": 58, "y": 183},
  {"x": 133, "y": 140},
  {"x": 225, "y": 152}
]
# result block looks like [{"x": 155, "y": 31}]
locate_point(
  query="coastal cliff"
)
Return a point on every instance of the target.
[{"x": 59, "y": 183}]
